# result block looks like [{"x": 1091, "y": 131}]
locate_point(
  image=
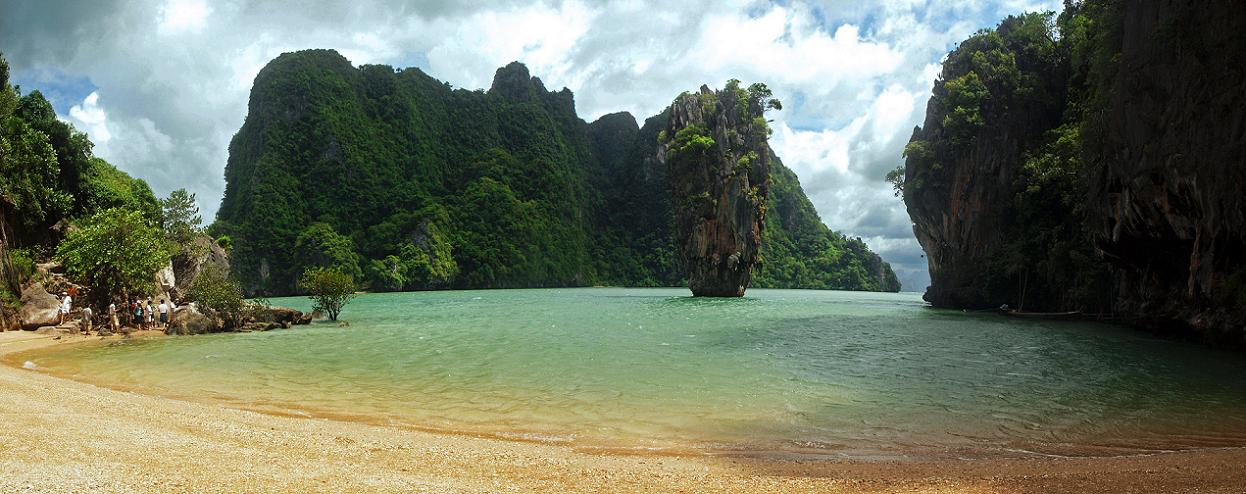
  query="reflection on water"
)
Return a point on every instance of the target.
[{"x": 780, "y": 370}]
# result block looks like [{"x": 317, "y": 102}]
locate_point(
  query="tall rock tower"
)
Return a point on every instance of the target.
[{"x": 715, "y": 149}]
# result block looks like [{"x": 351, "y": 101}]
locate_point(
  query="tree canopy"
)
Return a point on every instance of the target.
[
  {"x": 115, "y": 252},
  {"x": 329, "y": 289}
]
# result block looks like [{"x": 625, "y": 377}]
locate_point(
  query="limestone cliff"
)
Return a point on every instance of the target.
[
  {"x": 963, "y": 161},
  {"x": 1169, "y": 163},
  {"x": 1095, "y": 163},
  {"x": 520, "y": 191},
  {"x": 719, "y": 170}
]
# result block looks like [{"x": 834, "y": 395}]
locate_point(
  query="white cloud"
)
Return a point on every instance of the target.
[
  {"x": 178, "y": 16},
  {"x": 89, "y": 117}
]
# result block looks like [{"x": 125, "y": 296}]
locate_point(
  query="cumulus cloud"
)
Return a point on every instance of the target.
[
  {"x": 169, "y": 79},
  {"x": 89, "y": 117}
]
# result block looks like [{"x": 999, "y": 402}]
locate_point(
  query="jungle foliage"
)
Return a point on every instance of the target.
[
  {"x": 115, "y": 252},
  {"x": 405, "y": 183},
  {"x": 48, "y": 173}
]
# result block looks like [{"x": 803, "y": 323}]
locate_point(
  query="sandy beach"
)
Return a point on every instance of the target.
[{"x": 66, "y": 436}]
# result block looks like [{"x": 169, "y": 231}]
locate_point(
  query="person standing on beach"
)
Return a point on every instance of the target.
[
  {"x": 66, "y": 304},
  {"x": 87, "y": 314},
  {"x": 151, "y": 315},
  {"x": 112, "y": 317},
  {"x": 138, "y": 313},
  {"x": 164, "y": 314}
]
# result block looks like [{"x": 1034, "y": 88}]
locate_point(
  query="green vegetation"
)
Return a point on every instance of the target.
[
  {"x": 320, "y": 246},
  {"x": 181, "y": 221},
  {"x": 799, "y": 251},
  {"x": 217, "y": 295},
  {"x": 404, "y": 183},
  {"x": 48, "y": 174},
  {"x": 115, "y": 252},
  {"x": 329, "y": 289}
]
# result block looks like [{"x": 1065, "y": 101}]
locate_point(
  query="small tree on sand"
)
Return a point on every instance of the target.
[{"x": 329, "y": 288}]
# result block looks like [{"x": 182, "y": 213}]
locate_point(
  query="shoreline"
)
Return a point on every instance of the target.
[{"x": 63, "y": 435}]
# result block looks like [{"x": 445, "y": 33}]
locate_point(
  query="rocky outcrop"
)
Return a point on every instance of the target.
[
  {"x": 719, "y": 167},
  {"x": 1099, "y": 169},
  {"x": 283, "y": 316},
  {"x": 187, "y": 320},
  {"x": 39, "y": 308},
  {"x": 186, "y": 268},
  {"x": 961, "y": 172},
  {"x": 1166, "y": 199}
]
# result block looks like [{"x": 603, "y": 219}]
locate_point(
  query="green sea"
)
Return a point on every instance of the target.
[{"x": 787, "y": 372}]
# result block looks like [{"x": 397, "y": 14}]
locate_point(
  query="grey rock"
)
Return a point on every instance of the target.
[
  {"x": 187, "y": 320},
  {"x": 39, "y": 308}
]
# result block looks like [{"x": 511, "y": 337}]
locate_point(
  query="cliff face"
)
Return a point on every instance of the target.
[
  {"x": 719, "y": 169},
  {"x": 516, "y": 189},
  {"x": 1105, "y": 174},
  {"x": 962, "y": 164},
  {"x": 1166, "y": 196}
]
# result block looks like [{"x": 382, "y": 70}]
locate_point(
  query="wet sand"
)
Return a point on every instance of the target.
[{"x": 59, "y": 435}]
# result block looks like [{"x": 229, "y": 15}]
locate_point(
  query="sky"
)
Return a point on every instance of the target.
[{"x": 161, "y": 86}]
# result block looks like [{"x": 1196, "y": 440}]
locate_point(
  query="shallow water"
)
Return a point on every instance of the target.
[{"x": 790, "y": 371}]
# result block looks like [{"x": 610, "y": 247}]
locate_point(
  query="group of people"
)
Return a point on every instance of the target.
[
  {"x": 138, "y": 313},
  {"x": 142, "y": 314}
]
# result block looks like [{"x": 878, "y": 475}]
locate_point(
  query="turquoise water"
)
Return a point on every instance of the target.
[{"x": 793, "y": 371}]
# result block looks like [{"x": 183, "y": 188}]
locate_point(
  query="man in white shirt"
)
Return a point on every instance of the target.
[
  {"x": 164, "y": 314},
  {"x": 66, "y": 304},
  {"x": 112, "y": 317}
]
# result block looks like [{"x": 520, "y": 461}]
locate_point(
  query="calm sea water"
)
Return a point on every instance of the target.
[{"x": 789, "y": 371}]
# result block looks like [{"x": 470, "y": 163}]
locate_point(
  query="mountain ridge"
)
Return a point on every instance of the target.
[{"x": 424, "y": 186}]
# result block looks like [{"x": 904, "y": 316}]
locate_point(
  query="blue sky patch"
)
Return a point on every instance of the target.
[{"x": 61, "y": 89}]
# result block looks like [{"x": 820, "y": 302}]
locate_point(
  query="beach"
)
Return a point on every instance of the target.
[{"x": 65, "y": 436}]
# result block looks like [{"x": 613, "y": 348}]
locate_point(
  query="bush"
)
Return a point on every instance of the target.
[
  {"x": 216, "y": 294},
  {"x": 23, "y": 264},
  {"x": 329, "y": 288}
]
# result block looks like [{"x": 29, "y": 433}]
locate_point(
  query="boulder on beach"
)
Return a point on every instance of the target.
[
  {"x": 187, "y": 320},
  {"x": 53, "y": 330},
  {"x": 39, "y": 308},
  {"x": 187, "y": 267}
]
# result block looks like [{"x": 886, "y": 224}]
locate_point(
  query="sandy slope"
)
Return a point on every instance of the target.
[{"x": 58, "y": 435}]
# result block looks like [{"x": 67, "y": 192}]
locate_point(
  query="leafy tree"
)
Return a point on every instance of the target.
[
  {"x": 28, "y": 174},
  {"x": 329, "y": 289},
  {"x": 965, "y": 96},
  {"x": 215, "y": 294},
  {"x": 103, "y": 186},
  {"x": 179, "y": 215},
  {"x": 47, "y": 171},
  {"x": 115, "y": 252},
  {"x": 29, "y": 171}
]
